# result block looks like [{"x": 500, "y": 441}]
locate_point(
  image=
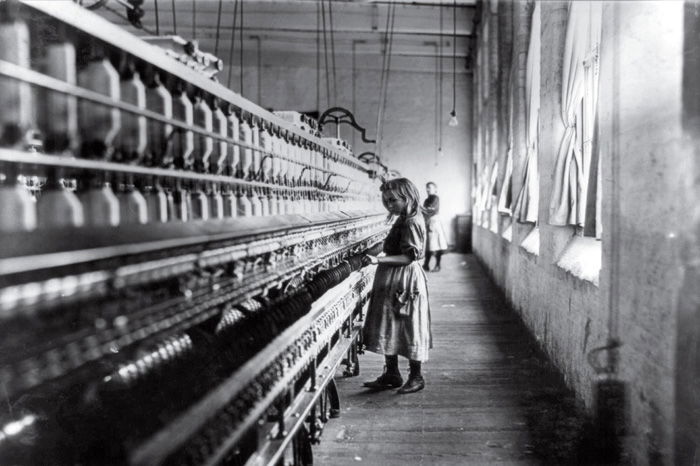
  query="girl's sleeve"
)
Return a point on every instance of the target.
[{"x": 413, "y": 238}]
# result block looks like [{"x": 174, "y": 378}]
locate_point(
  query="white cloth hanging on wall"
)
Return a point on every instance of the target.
[
  {"x": 481, "y": 196},
  {"x": 505, "y": 198},
  {"x": 527, "y": 204},
  {"x": 492, "y": 194},
  {"x": 492, "y": 178},
  {"x": 567, "y": 204}
]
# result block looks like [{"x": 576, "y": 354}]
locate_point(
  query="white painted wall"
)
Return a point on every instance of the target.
[{"x": 409, "y": 136}]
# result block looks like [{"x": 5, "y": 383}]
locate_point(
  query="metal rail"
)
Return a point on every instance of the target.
[
  {"x": 300, "y": 408},
  {"x": 29, "y": 251},
  {"x": 19, "y": 73},
  {"x": 160, "y": 318},
  {"x": 324, "y": 314},
  {"x": 100, "y": 28}
]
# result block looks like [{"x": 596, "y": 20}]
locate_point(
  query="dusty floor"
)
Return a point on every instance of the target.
[{"x": 491, "y": 396}]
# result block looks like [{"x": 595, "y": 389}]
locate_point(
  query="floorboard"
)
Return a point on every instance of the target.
[{"x": 491, "y": 395}]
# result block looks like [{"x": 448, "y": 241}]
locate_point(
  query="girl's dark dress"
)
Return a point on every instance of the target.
[
  {"x": 437, "y": 240},
  {"x": 398, "y": 319}
]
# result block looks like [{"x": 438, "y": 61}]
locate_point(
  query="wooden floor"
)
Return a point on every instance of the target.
[{"x": 491, "y": 396}]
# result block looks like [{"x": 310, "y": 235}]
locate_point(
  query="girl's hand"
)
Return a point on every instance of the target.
[{"x": 369, "y": 260}]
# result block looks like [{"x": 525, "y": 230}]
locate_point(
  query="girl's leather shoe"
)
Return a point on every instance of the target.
[
  {"x": 385, "y": 382},
  {"x": 414, "y": 384}
]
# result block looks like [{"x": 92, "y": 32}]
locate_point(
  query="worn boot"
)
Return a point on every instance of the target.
[
  {"x": 391, "y": 378},
  {"x": 415, "y": 381},
  {"x": 438, "y": 257},
  {"x": 426, "y": 261}
]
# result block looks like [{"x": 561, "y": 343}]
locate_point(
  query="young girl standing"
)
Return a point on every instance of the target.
[
  {"x": 437, "y": 242},
  {"x": 398, "y": 319}
]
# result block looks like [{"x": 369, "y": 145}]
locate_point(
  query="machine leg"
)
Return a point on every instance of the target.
[
  {"x": 303, "y": 455},
  {"x": 312, "y": 376},
  {"x": 315, "y": 426},
  {"x": 356, "y": 359},
  {"x": 360, "y": 343},
  {"x": 352, "y": 362},
  {"x": 279, "y": 419},
  {"x": 333, "y": 399}
]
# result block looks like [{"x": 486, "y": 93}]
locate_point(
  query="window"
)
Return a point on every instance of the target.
[
  {"x": 587, "y": 145},
  {"x": 576, "y": 170},
  {"x": 505, "y": 198},
  {"x": 527, "y": 203},
  {"x": 591, "y": 155},
  {"x": 491, "y": 208},
  {"x": 576, "y": 194}
]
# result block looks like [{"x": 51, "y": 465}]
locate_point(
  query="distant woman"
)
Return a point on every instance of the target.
[
  {"x": 398, "y": 319},
  {"x": 436, "y": 243}
]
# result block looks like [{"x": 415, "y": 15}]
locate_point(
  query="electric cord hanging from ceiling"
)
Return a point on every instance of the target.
[
  {"x": 386, "y": 71},
  {"x": 194, "y": 19},
  {"x": 453, "y": 113},
  {"x": 454, "y": 55},
  {"x": 436, "y": 122},
  {"x": 383, "y": 77},
  {"x": 325, "y": 55},
  {"x": 318, "y": 58},
  {"x": 332, "y": 33},
  {"x": 172, "y": 3},
  {"x": 240, "y": 39},
  {"x": 442, "y": 76},
  {"x": 440, "y": 85},
  {"x": 157, "y": 18},
  {"x": 233, "y": 44},
  {"x": 218, "y": 29},
  {"x": 383, "y": 70},
  {"x": 388, "y": 62}
]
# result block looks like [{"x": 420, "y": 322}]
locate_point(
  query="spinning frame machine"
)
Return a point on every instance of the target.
[{"x": 180, "y": 271}]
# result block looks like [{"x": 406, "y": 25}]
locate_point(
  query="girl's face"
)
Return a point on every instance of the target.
[
  {"x": 431, "y": 189},
  {"x": 394, "y": 204}
]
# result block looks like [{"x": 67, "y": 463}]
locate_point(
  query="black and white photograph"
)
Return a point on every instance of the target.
[{"x": 349, "y": 232}]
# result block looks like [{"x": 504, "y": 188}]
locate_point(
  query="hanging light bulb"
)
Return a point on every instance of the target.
[
  {"x": 453, "y": 119},
  {"x": 453, "y": 114}
]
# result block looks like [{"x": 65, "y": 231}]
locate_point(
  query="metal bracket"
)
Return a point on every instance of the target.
[
  {"x": 338, "y": 115},
  {"x": 371, "y": 157},
  {"x": 368, "y": 157}
]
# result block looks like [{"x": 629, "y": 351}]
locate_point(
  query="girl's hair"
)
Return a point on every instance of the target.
[
  {"x": 405, "y": 189},
  {"x": 431, "y": 183}
]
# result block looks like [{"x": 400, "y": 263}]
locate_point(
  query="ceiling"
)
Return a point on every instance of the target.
[{"x": 293, "y": 28}]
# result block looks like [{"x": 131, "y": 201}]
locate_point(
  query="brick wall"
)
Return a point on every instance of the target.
[{"x": 648, "y": 194}]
